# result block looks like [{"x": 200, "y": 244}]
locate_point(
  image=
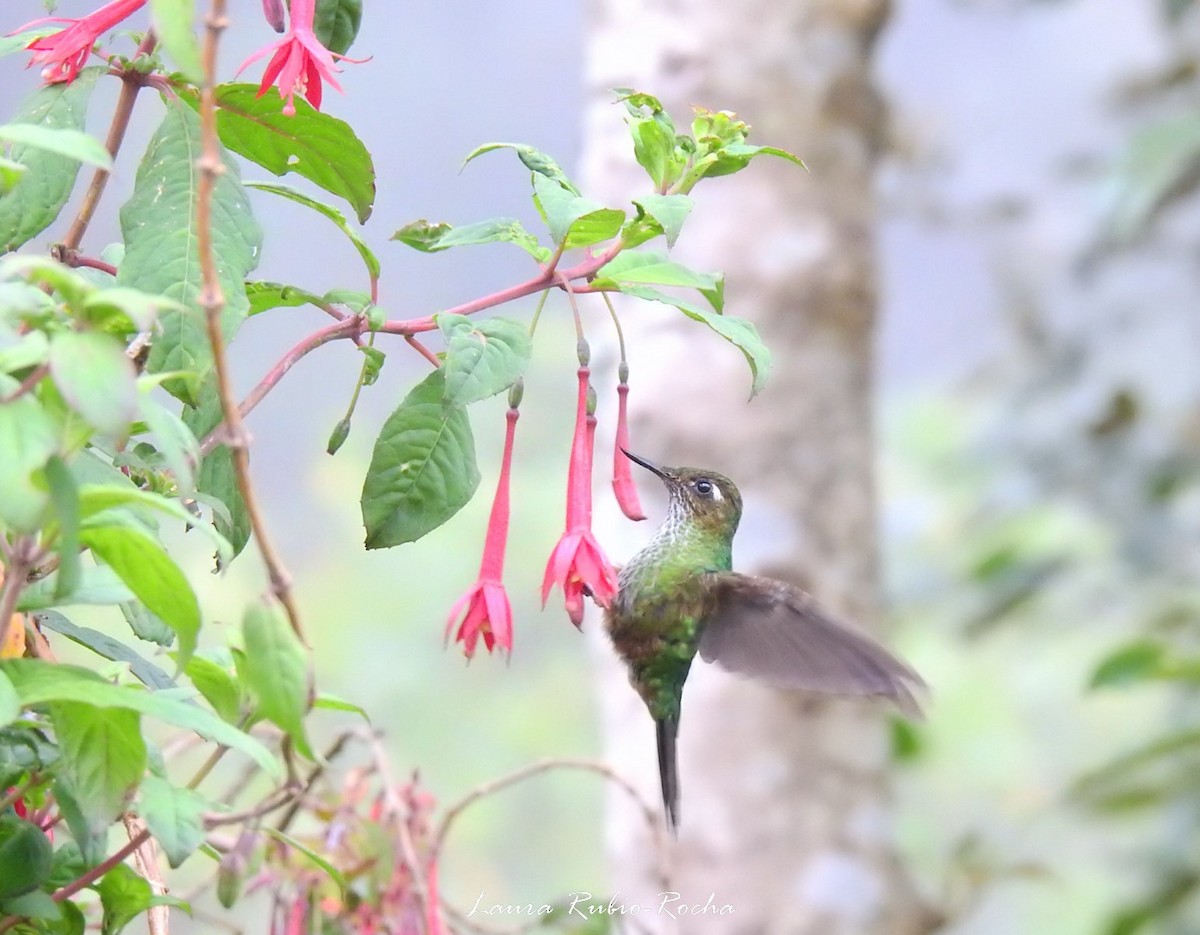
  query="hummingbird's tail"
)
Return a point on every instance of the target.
[{"x": 668, "y": 769}]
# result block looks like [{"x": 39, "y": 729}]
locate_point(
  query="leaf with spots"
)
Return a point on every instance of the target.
[
  {"x": 45, "y": 184},
  {"x": 161, "y": 253}
]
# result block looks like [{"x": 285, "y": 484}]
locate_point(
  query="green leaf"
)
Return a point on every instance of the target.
[
  {"x": 275, "y": 668},
  {"x": 737, "y": 331},
  {"x": 217, "y": 477},
  {"x": 574, "y": 221},
  {"x": 98, "y": 585},
  {"x": 38, "y": 905},
  {"x": 102, "y": 755},
  {"x": 339, "y": 219},
  {"x": 1137, "y": 662},
  {"x": 482, "y": 358},
  {"x": 124, "y": 896},
  {"x": 161, "y": 253},
  {"x": 145, "y": 625},
  {"x": 372, "y": 363},
  {"x": 28, "y": 437},
  {"x": 23, "y": 749},
  {"x": 151, "y": 575},
  {"x": 10, "y": 704},
  {"x": 217, "y": 686},
  {"x": 10, "y": 175},
  {"x": 38, "y": 682},
  {"x": 264, "y": 296},
  {"x": 74, "y": 144},
  {"x": 328, "y": 702},
  {"x": 670, "y": 211},
  {"x": 95, "y": 498},
  {"x": 422, "y": 468},
  {"x": 654, "y": 149},
  {"x": 25, "y": 856},
  {"x": 533, "y": 159},
  {"x": 142, "y": 309},
  {"x": 318, "y": 147},
  {"x": 173, "y": 23},
  {"x": 432, "y": 238},
  {"x": 29, "y": 350},
  {"x": 45, "y": 186},
  {"x": 178, "y": 447},
  {"x": 336, "y": 24},
  {"x": 96, "y": 379},
  {"x": 648, "y": 266},
  {"x": 104, "y": 645},
  {"x": 330, "y": 870},
  {"x": 65, "y": 497},
  {"x": 175, "y": 817}
]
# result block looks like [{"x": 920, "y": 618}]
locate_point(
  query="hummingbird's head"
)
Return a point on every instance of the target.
[{"x": 698, "y": 497}]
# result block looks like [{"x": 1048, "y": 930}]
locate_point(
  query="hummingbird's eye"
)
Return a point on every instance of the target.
[{"x": 704, "y": 487}]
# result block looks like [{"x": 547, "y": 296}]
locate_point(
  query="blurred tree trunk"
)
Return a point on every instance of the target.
[{"x": 784, "y": 797}]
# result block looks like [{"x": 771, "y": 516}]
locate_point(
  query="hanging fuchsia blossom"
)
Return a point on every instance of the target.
[
  {"x": 300, "y": 62},
  {"x": 624, "y": 488},
  {"x": 578, "y": 564},
  {"x": 488, "y": 613},
  {"x": 62, "y": 54}
]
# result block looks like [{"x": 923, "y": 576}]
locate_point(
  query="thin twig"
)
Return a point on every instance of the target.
[
  {"x": 353, "y": 326},
  {"x": 33, "y": 379},
  {"x": 131, "y": 83},
  {"x": 318, "y": 771},
  {"x": 546, "y": 765},
  {"x": 282, "y": 796},
  {"x": 145, "y": 862},
  {"x": 423, "y": 350},
  {"x": 212, "y": 301}
]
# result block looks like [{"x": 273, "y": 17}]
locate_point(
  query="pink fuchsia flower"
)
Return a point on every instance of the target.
[
  {"x": 623, "y": 486},
  {"x": 578, "y": 564},
  {"x": 300, "y": 62},
  {"x": 488, "y": 613},
  {"x": 62, "y": 54}
]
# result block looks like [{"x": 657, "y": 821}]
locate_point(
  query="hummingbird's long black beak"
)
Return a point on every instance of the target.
[{"x": 648, "y": 465}]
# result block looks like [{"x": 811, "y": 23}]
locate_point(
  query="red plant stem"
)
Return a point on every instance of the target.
[
  {"x": 290, "y": 359},
  {"x": 353, "y": 326},
  {"x": 35, "y": 377},
  {"x": 131, "y": 83},
  {"x": 492, "y": 566},
  {"x": 423, "y": 350}
]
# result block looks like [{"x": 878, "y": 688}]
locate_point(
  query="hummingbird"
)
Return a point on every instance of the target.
[{"x": 679, "y": 596}]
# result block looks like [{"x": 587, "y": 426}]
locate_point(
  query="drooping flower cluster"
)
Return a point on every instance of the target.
[{"x": 577, "y": 563}]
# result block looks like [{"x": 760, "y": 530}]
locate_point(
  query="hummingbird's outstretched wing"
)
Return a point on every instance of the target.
[{"x": 773, "y": 631}]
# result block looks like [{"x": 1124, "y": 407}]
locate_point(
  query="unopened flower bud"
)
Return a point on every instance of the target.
[{"x": 338, "y": 436}]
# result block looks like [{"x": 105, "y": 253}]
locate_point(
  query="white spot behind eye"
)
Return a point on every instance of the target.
[{"x": 716, "y": 493}]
